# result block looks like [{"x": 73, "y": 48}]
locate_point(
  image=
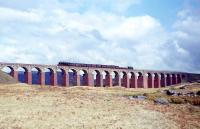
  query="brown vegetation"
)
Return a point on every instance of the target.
[
  {"x": 39, "y": 107},
  {"x": 6, "y": 79}
]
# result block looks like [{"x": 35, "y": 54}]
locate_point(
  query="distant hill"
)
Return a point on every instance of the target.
[{"x": 6, "y": 79}]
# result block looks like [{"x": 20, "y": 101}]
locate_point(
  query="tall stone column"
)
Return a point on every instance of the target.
[
  {"x": 101, "y": 80},
  {"x": 14, "y": 74},
  {"x": 127, "y": 82},
  {"x": 159, "y": 82},
  {"x": 171, "y": 80},
  {"x": 77, "y": 76},
  {"x": 136, "y": 81},
  {"x": 152, "y": 81},
  {"x": 180, "y": 79},
  {"x": 176, "y": 80},
  {"x": 110, "y": 80},
  {"x": 98, "y": 80},
  {"x": 119, "y": 81},
  {"x": 184, "y": 78},
  {"x": 136, "y": 84},
  {"x": 163, "y": 81},
  {"x": 41, "y": 78},
  {"x": 133, "y": 82},
  {"x": 53, "y": 78},
  {"x": 85, "y": 79},
  {"x": 145, "y": 81},
  {"x": 28, "y": 77},
  {"x": 90, "y": 79},
  {"x": 65, "y": 79},
  {"x": 141, "y": 82},
  {"x": 168, "y": 80},
  {"x": 116, "y": 81}
]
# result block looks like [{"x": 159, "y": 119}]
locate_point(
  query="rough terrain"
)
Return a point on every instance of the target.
[
  {"x": 39, "y": 107},
  {"x": 6, "y": 79}
]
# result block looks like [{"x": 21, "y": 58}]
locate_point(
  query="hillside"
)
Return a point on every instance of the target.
[
  {"x": 6, "y": 79},
  {"x": 41, "y": 107}
]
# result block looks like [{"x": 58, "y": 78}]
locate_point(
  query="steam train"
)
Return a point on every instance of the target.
[{"x": 63, "y": 63}]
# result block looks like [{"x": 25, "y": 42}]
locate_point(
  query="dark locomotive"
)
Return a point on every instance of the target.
[{"x": 63, "y": 63}]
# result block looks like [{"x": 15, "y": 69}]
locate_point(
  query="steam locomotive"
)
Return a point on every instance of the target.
[{"x": 63, "y": 63}]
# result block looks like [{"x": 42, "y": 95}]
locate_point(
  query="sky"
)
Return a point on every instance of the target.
[{"x": 145, "y": 34}]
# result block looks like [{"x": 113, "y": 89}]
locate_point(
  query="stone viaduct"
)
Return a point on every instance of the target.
[{"x": 98, "y": 77}]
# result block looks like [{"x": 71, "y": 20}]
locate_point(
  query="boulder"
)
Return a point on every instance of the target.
[
  {"x": 191, "y": 94},
  {"x": 180, "y": 94},
  {"x": 170, "y": 92},
  {"x": 183, "y": 87},
  {"x": 162, "y": 101},
  {"x": 139, "y": 97}
]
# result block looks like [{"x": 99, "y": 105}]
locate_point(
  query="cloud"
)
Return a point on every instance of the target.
[
  {"x": 82, "y": 35},
  {"x": 187, "y": 39},
  {"x": 114, "y": 6},
  {"x": 8, "y": 14},
  {"x": 32, "y": 33},
  {"x": 117, "y": 6}
]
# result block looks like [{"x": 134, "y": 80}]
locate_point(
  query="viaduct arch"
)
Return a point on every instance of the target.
[{"x": 97, "y": 77}]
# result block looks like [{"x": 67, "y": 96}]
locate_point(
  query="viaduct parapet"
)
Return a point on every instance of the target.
[{"x": 96, "y": 76}]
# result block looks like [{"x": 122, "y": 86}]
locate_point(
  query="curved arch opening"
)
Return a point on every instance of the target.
[
  {"x": 97, "y": 78},
  {"x": 83, "y": 78},
  {"x": 168, "y": 79},
  {"x": 183, "y": 78},
  {"x": 115, "y": 78},
  {"x": 150, "y": 80},
  {"x": 22, "y": 74},
  {"x": 36, "y": 76},
  {"x": 163, "y": 83},
  {"x": 61, "y": 77},
  {"x": 156, "y": 80},
  {"x": 9, "y": 70},
  {"x": 106, "y": 79},
  {"x": 73, "y": 77},
  {"x": 124, "y": 79},
  {"x": 49, "y": 76},
  {"x": 140, "y": 80},
  {"x": 132, "y": 80},
  {"x": 178, "y": 78},
  {"x": 173, "y": 79}
]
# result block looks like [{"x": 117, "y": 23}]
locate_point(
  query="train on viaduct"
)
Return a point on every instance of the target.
[{"x": 77, "y": 74}]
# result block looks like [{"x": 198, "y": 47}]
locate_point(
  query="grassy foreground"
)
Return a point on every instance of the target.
[{"x": 36, "y": 107}]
